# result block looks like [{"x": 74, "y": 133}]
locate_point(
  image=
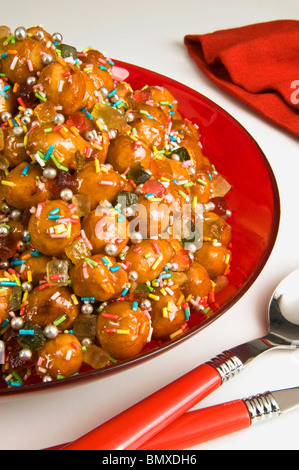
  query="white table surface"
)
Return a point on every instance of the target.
[{"x": 150, "y": 34}]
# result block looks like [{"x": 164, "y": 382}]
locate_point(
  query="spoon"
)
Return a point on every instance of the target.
[{"x": 134, "y": 426}]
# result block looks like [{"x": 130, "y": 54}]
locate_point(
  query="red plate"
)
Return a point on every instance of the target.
[{"x": 253, "y": 201}]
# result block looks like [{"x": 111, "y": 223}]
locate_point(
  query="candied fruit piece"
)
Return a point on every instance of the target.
[
  {"x": 77, "y": 121},
  {"x": 26, "y": 95},
  {"x": 126, "y": 198},
  {"x": 82, "y": 202},
  {"x": 143, "y": 95},
  {"x": 67, "y": 51},
  {"x": 57, "y": 272},
  {"x": 111, "y": 117},
  {"x": 31, "y": 337},
  {"x": 221, "y": 186},
  {"x": 154, "y": 187},
  {"x": 77, "y": 250},
  {"x": 138, "y": 174},
  {"x": 15, "y": 300},
  {"x": 220, "y": 205},
  {"x": 96, "y": 357},
  {"x": 85, "y": 327}
]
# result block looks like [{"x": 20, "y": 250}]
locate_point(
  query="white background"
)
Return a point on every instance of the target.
[{"x": 150, "y": 34}]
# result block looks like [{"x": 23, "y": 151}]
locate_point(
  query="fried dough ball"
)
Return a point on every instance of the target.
[
  {"x": 50, "y": 304},
  {"x": 97, "y": 280},
  {"x": 149, "y": 258},
  {"x": 198, "y": 282},
  {"x": 37, "y": 265},
  {"x": 98, "y": 68},
  {"x": 14, "y": 149},
  {"x": 27, "y": 61},
  {"x": 122, "y": 331},
  {"x": 214, "y": 257},
  {"x": 50, "y": 235},
  {"x": 167, "y": 313},
  {"x": 105, "y": 184},
  {"x": 61, "y": 356},
  {"x": 149, "y": 131},
  {"x": 123, "y": 152},
  {"x": 90, "y": 132},
  {"x": 65, "y": 142},
  {"x": 64, "y": 85},
  {"x": 26, "y": 188},
  {"x": 169, "y": 169},
  {"x": 102, "y": 230},
  {"x": 5, "y": 297}
]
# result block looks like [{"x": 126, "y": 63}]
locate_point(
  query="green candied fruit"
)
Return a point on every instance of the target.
[
  {"x": 183, "y": 154},
  {"x": 31, "y": 336},
  {"x": 67, "y": 51},
  {"x": 127, "y": 199},
  {"x": 138, "y": 174}
]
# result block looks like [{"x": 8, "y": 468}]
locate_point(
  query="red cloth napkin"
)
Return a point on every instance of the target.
[{"x": 258, "y": 64}]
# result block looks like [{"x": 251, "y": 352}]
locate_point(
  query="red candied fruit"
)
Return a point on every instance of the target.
[
  {"x": 155, "y": 187},
  {"x": 63, "y": 180},
  {"x": 220, "y": 205},
  {"x": 143, "y": 95},
  {"x": 77, "y": 121},
  {"x": 8, "y": 247},
  {"x": 25, "y": 95}
]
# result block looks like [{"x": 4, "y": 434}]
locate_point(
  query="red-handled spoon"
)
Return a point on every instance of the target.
[{"x": 133, "y": 427}]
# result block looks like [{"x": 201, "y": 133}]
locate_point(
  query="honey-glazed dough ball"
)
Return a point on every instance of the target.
[
  {"x": 198, "y": 282},
  {"x": 167, "y": 313},
  {"x": 214, "y": 257},
  {"x": 123, "y": 152},
  {"x": 47, "y": 305},
  {"x": 102, "y": 230},
  {"x": 26, "y": 188},
  {"x": 96, "y": 279},
  {"x": 60, "y": 357},
  {"x": 123, "y": 330},
  {"x": 51, "y": 235}
]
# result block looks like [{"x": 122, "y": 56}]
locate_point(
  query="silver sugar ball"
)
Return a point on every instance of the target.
[
  {"x": 128, "y": 211},
  {"x": 58, "y": 119},
  {"x": 27, "y": 286},
  {"x": 16, "y": 214},
  {"x": 114, "y": 98},
  {"x": 4, "y": 231},
  {"x": 111, "y": 249},
  {"x": 25, "y": 235},
  {"x": 104, "y": 91},
  {"x": 25, "y": 355},
  {"x": 47, "y": 59},
  {"x": 17, "y": 323},
  {"x": 133, "y": 275},
  {"x": 130, "y": 117},
  {"x": 47, "y": 378},
  {"x": 191, "y": 247},
  {"x": 20, "y": 33},
  {"x": 192, "y": 170},
  {"x": 136, "y": 238},
  {"x": 4, "y": 265},
  {"x": 18, "y": 131},
  {"x": 49, "y": 173},
  {"x": 28, "y": 112},
  {"x": 25, "y": 120},
  {"x": 6, "y": 116},
  {"x": 87, "y": 309},
  {"x": 66, "y": 194},
  {"x": 5, "y": 208},
  {"x": 50, "y": 331},
  {"x": 175, "y": 157},
  {"x": 89, "y": 135},
  {"x": 39, "y": 34},
  {"x": 57, "y": 37},
  {"x": 145, "y": 304},
  {"x": 31, "y": 81},
  {"x": 174, "y": 267},
  {"x": 86, "y": 342}
]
